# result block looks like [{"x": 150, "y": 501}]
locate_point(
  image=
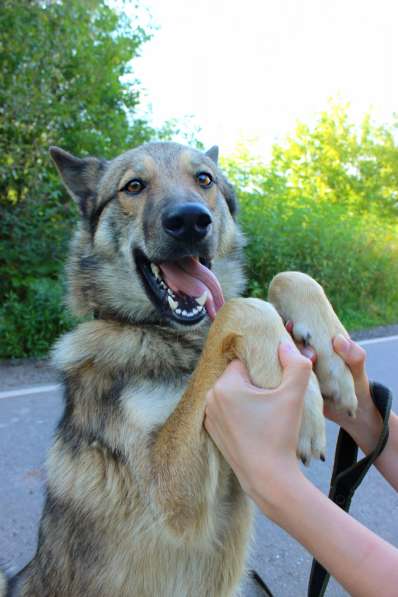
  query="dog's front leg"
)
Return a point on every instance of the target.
[
  {"x": 185, "y": 464},
  {"x": 187, "y": 467}
]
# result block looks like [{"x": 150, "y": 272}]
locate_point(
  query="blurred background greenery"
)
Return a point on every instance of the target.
[{"x": 326, "y": 202}]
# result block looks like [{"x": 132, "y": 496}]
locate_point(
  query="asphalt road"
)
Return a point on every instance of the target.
[{"x": 27, "y": 421}]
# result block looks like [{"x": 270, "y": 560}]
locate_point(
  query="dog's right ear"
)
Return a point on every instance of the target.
[
  {"x": 212, "y": 153},
  {"x": 80, "y": 177}
]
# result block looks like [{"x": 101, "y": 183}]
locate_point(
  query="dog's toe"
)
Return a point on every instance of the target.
[{"x": 301, "y": 333}]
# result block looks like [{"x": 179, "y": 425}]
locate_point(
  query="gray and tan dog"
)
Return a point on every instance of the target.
[{"x": 139, "y": 500}]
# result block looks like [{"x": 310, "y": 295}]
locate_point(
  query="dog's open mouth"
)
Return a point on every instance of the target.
[{"x": 184, "y": 291}]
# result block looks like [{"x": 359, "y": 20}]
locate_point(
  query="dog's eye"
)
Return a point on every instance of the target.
[
  {"x": 134, "y": 186},
  {"x": 204, "y": 179}
]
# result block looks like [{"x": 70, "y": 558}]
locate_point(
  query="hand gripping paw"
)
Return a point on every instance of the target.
[
  {"x": 260, "y": 332},
  {"x": 299, "y": 298}
]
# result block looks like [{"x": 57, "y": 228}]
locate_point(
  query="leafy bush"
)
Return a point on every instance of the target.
[
  {"x": 350, "y": 256},
  {"x": 33, "y": 318},
  {"x": 63, "y": 68},
  {"x": 326, "y": 204}
]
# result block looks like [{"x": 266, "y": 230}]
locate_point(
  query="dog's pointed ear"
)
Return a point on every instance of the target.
[
  {"x": 212, "y": 153},
  {"x": 80, "y": 176}
]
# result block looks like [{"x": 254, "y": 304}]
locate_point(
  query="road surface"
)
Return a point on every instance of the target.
[{"x": 28, "y": 416}]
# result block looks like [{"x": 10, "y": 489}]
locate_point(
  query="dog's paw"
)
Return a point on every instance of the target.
[
  {"x": 312, "y": 438},
  {"x": 336, "y": 383},
  {"x": 301, "y": 333},
  {"x": 335, "y": 378},
  {"x": 300, "y": 299}
]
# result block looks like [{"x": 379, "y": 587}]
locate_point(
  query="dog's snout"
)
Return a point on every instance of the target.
[{"x": 189, "y": 222}]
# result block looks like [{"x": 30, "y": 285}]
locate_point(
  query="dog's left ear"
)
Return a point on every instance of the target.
[
  {"x": 212, "y": 153},
  {"x": 80, "y": 177}
]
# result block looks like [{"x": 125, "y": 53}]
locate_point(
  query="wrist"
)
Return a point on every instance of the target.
[
  {"x": 365, "y": 429},
  {"x": 273, "y": 491}
]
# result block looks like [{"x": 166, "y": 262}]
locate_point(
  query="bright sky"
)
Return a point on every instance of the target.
[{"x": 250, "y": 68}]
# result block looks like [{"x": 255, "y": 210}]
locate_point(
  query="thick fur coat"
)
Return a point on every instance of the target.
[{"x": 140, "y": 502}]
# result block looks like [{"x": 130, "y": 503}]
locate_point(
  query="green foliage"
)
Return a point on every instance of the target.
[
  {"x": 63, "y": 81},
  {"x": 62, "y": 70},
  {"x": 350, "y": 256},
  {"x": 30, "y": 320},
  {"x": 338, "y": 162},
  {"x": 327, "y": 205}
]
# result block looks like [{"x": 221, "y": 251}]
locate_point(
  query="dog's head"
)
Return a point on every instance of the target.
[{"x": 157, "y": 240}]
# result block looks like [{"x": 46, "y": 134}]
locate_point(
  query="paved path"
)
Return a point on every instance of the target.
[{"x": 27, "y": 420}]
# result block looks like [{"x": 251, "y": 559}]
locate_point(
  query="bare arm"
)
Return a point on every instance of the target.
[
  {"x": 246, "y": 422},
  {"x": 365, "y": 429},
  {"x": 360, "y": 560}
]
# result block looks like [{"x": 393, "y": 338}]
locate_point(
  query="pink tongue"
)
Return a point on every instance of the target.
[{"x": 192, "y": 278}]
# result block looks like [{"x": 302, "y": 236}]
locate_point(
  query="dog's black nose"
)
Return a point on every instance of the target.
[{"x": 188, "y": 222}]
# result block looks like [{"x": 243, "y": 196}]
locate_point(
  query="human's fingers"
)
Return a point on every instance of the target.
[
  {"x": 235, "y": 376},
  {"x": 353, "y": 354},
  {"x": 289, "y": 326},
  {"x": 296, "y": 367},
  {"x": 308, "y": 352},
  {"x": 305, "y": 350}
]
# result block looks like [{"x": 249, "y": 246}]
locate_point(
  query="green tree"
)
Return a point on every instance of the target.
[
  {"x": 65, "y": 79},
  {"x": 338, "y": 162},
  {"x": 63, "y": 64},
  {"x": 326, "y": 204}
]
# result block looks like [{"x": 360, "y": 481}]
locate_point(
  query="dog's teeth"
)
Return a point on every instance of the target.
[
  {"x": 173, "y": 304},
  {"x": 184, "y": 312},
  {"x": 201, "y": 300},
  {"x": 155, "y": 270},
  {"x": 178, "y": 311}
]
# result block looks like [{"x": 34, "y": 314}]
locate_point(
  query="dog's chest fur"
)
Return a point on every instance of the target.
[{"x": 119, "y": 391}]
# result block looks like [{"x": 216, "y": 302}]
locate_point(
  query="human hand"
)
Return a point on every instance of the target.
[
  {"x": 367, "y": 420},
  {"x": 305, "y": 349},
  {"x": 365, "y": 428},
  {"x": 257, "y": 430}
]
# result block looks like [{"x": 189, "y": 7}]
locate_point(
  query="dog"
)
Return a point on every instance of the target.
[{"x": 139, "y": 500}]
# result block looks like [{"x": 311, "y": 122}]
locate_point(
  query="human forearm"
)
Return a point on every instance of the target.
[
  {"x": 356, "y": 557},
  {"x": 387, "y": 463},
  {"x": 366, "y": 429}
]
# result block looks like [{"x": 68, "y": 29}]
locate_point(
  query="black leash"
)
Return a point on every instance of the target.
[
  {"x": 348, "y": 474},
  {"x": 257, "y": 579},
  {"x": 346, "y": 477}
]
